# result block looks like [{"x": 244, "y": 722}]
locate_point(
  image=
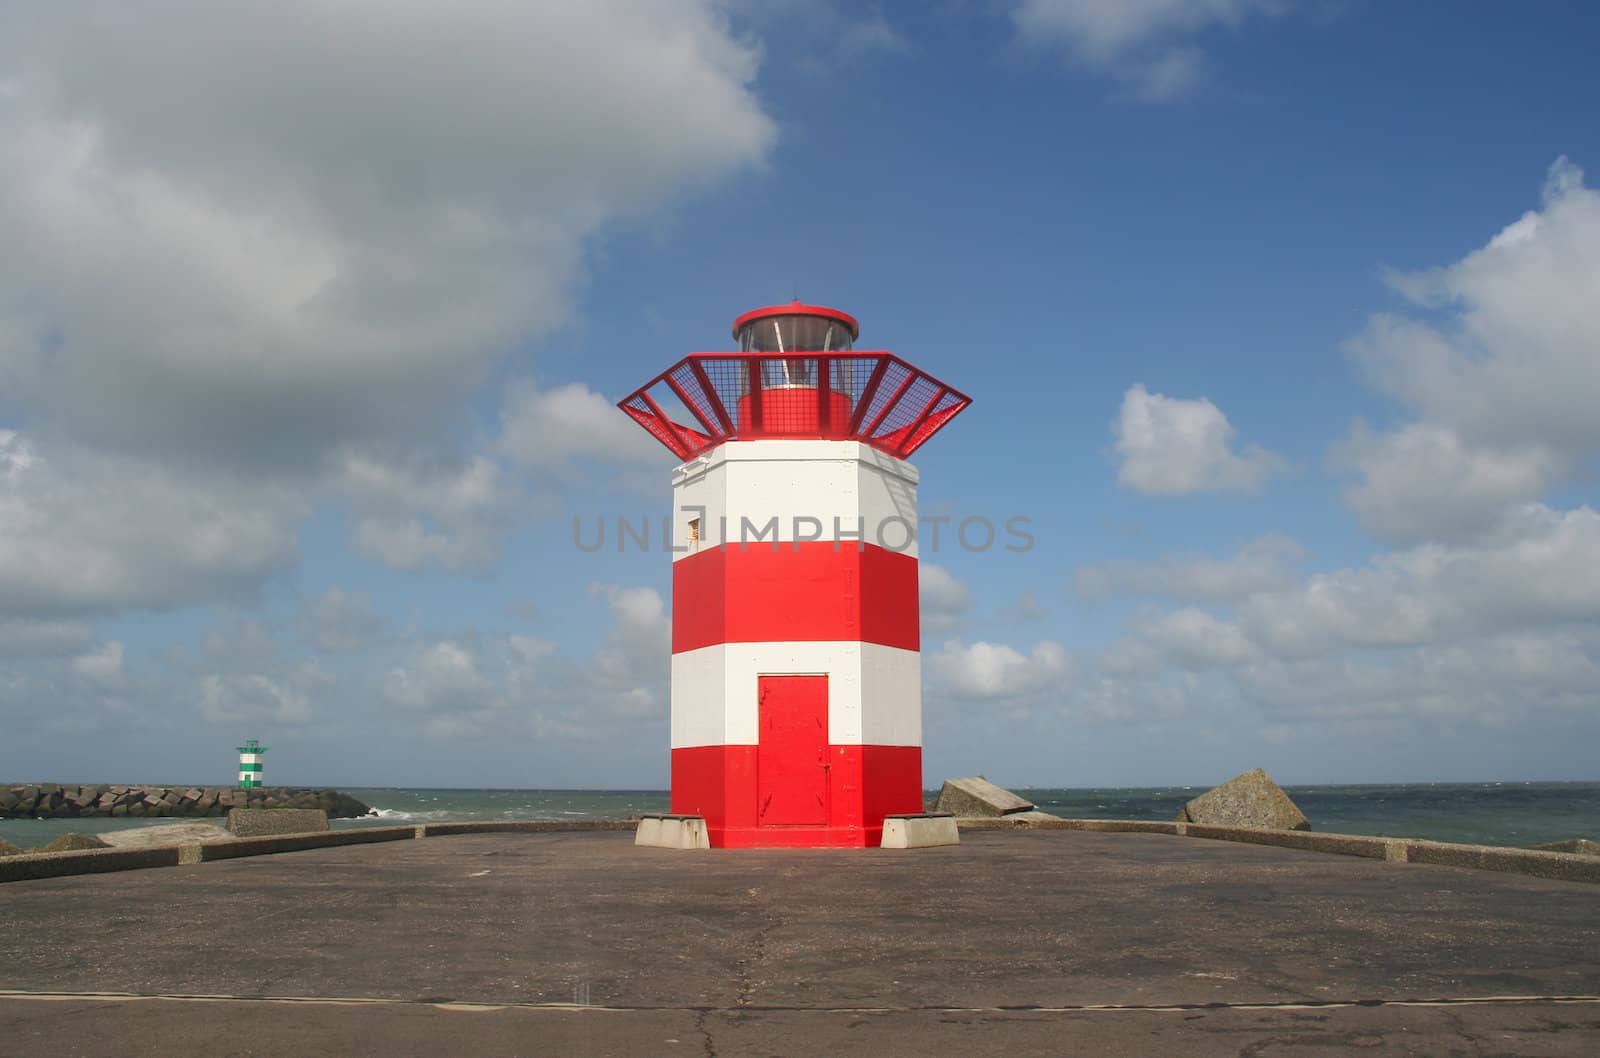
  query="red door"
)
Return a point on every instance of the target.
[{"x": 792, "y": 755}]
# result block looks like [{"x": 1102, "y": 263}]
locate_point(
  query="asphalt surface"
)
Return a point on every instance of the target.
[{"x": 1052, "y": 942}]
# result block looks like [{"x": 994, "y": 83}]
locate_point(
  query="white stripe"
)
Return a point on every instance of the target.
[
  {"x": 847, "y": 481},
  {"x": 249, "y": 758},
  {"x": 874, "y": 692}
]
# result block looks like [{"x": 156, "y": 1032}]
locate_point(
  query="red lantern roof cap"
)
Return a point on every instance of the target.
[{"x": 795, "y": 308}]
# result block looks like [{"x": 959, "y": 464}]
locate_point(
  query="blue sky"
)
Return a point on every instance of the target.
[{"x": 1280, "y": 320}]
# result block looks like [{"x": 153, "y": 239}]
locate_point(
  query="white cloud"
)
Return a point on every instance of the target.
[
  {"x": 944, "y": 599},
  {"x": 101, "y": 666},
  {"x": 1541, "y": 568},
  {"x": 347, "y": 248},
  {"x": 1533, "y": 583},
  {"x": 1496, "y": 681},
  {"x": 289, "y": 287},
  {"x": 1026, "y": 608},
  {"x": 994, "y": 671},
  {"x": 1263, "y": 564},
  {"x": 1198, "y": 640},
  {"x": 253, "y": 697},
  {"x": 548, "y": 431},
  {"x": 416, "y": 512},
  {"x": 340, "y": 622},
  {"x": 83, "y": 532},
  {"x": 519, "y": 683},
  {"x": 1424, "y": 481},
  {"x": 1141, "y": 42},
  {"x": 1170, "y": 74},
  {"x": 22, "y": 637},
  {"x": 1168, "y": 446},
  {"x": 442, "y": 675},
  {"x": 870, "y": 34},
  {"x": 1503, "y": 386},
  {"x": 627, "y": 678}
]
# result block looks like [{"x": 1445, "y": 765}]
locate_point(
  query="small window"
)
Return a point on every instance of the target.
[{"x": 694, "y": 534}]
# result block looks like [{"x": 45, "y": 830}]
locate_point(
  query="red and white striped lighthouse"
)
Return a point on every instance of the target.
[{"x": 796, "y": 665}]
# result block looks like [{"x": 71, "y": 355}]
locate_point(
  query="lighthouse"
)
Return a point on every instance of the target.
[
  {"x": 250, "y": 764},
  {"x": 796, "y": 664}
]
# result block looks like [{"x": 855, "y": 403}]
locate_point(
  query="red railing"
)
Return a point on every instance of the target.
[{"x": 873, "y": 397}]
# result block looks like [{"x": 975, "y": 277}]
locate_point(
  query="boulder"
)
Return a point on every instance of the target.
[
  {"x": 1250, "y": 800},
  {"x": 1581, "y": 846},
  {"x": 165, "y": 834},
  {"x": 978, "y": 796},
  {"x": 346, "y": 807},
  {"x": 9, "y": 795},
  {"x": 262, "y": 822},
  {"x": 8, "y": 849},
  {"x": 72, "y": 843}
]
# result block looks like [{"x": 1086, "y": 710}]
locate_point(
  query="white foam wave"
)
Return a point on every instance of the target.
[{"x": 395, "y": 813}]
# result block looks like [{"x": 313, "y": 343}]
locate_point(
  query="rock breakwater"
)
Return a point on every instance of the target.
[{"x": 55, "y": 801}]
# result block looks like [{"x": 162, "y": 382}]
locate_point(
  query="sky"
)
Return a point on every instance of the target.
[{"x": 1281, "y": 321}]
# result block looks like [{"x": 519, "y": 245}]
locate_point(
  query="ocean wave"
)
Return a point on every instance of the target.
[{"x": 395, "y": 813}]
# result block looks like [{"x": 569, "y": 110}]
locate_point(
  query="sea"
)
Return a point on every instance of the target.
[{"x": 1493, "y": 813}]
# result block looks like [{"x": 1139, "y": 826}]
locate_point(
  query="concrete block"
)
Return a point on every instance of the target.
[
  {"x": 672, "y": 832},
  {"x": 977, "y": 796},
  {"x": 919, "y": 831},
  {"x": 693, "y": 833},
  {"x": 1248, "y": 800},
  {"x": 263, "y": 822}
]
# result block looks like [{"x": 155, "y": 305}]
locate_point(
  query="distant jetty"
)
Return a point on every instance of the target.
[{"x": 56, "y": 801}]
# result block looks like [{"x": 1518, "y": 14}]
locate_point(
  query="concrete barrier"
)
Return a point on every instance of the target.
[
  {"x": 296, "y": 842},
  {"x": 1562, "y": 866},
  {"x": 924, "y": 831},
  {"x": 1044, "y": 821},
  {"x": 89, "y": 861},
  {"x": 1340, "y": 844},
  {"x": 525, "y": 826},
  {"x": 689, "y": 832}
]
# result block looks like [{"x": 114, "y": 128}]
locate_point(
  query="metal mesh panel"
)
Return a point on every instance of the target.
[
  {"x": 949, "y": 406},
  {"x": 876, "y": 398}
]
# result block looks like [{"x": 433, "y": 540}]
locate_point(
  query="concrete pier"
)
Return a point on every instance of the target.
[{"x": 1015, "y": 942}]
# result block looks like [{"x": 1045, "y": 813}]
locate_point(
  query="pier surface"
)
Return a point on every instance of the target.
[{"x": 1020, "y": 943}]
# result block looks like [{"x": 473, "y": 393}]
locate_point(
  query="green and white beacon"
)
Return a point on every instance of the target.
[{"x": 250, "y": 763}]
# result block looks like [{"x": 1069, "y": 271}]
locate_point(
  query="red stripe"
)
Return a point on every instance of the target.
[
  {"x": 809, "y": 592},
  {"x": 862, "y": 785}
]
